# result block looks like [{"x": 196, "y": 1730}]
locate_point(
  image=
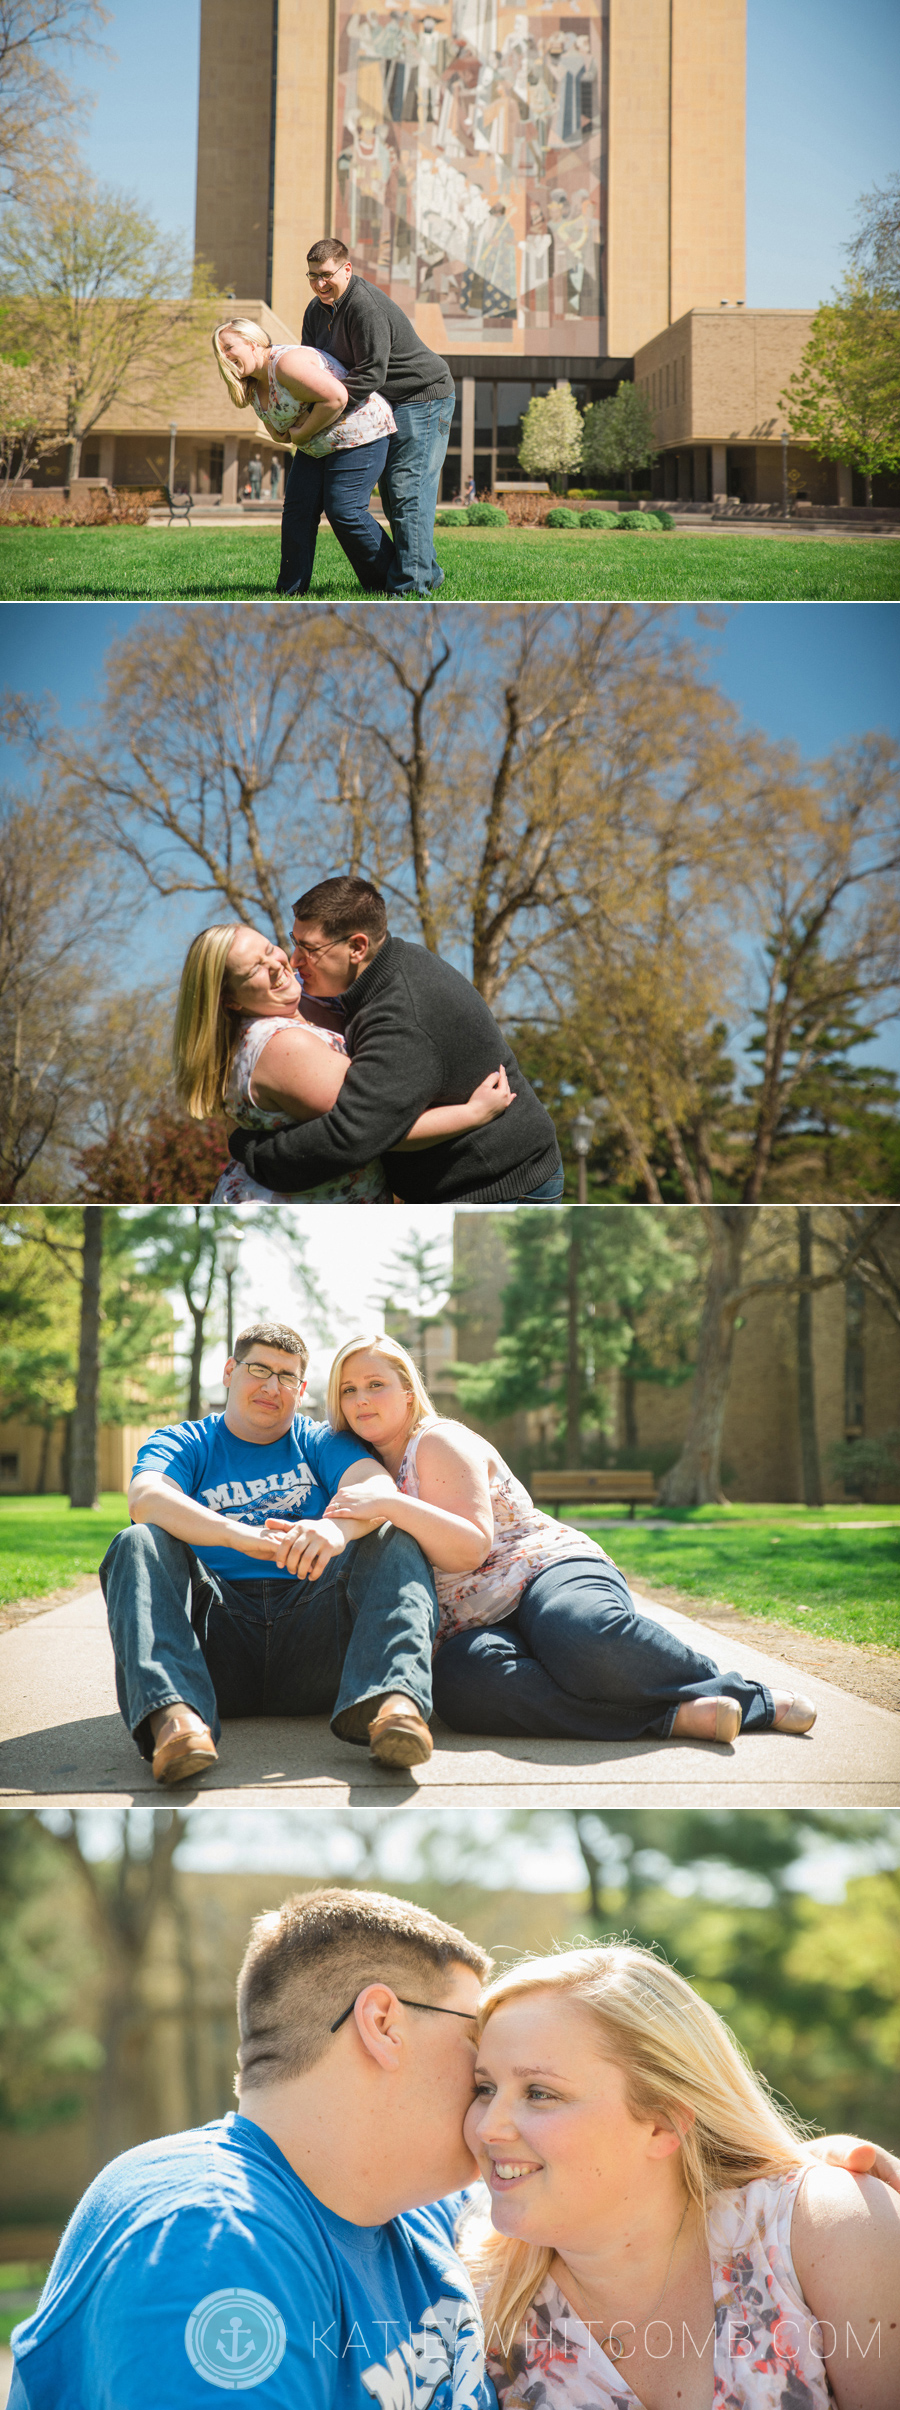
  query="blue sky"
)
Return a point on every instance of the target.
[
  {"x": 821, "y": 126},
  {"x": 817, "y": 672}
]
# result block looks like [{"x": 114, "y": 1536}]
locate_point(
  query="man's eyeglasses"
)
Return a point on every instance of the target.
[
  {"x": 320, "y": 276},
  {"x": 268, "y": 1372},
  {"x": 311, "y": 951},
  {"x": 468, "y": 2014}
]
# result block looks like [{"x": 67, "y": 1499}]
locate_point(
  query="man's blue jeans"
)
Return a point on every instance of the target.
[
  {"x": 409, "y": 490},
  {"x": 549, "y": 1193},
  {"x": 263, "y": 1647},
  {"x": 577, "y": 1662},
  {"x": 340, "y": 484}
]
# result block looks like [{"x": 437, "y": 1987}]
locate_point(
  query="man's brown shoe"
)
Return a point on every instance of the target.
[
  {"x": 398, "y": 1734},
  {"x": 182, "y": 1749}
]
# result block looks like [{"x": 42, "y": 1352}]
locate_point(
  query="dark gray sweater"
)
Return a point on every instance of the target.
[
  {"x": 378, "y": 346},
  {"x": 419, "y": 1034}
]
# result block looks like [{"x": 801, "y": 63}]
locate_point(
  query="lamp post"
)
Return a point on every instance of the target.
[
  {"x": 582, "y": 1141},
  {"x": 229, "y": 1250},
  {"x": 784, "y": 475}
]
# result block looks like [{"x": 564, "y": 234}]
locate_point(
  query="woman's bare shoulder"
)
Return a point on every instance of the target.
[
  {"x": 839, "y": 2217},
  {"x": 446, "y": 1442}
]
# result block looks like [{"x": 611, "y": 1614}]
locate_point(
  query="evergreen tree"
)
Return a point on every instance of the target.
[{"x": 838, "y": 1131}]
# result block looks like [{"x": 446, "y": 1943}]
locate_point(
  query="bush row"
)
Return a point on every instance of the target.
[
  {"x": 125, "y": 506},
  {"x": 489, "y": 514}
]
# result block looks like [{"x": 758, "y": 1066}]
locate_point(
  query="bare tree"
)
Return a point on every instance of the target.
[
  {"x": 31, "y": 421},
  {"x": 108, "y": 304},
  {"x": 39, "y": 111},
  {"x": 55, "y": 926},
  {"x": 874, "y": 253}
]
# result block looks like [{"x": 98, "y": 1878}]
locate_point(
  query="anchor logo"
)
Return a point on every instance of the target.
[
  {"x": 235, "y": 2339},
  {"x": 237, "y": 2328}
]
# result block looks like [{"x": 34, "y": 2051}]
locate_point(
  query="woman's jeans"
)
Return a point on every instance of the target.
[
  {"x": 409, "y": 491},
  {"x": 341, "y": 485},
  {"x": 577, "y": 1662},
  {"x": 263, "y": 1647}
]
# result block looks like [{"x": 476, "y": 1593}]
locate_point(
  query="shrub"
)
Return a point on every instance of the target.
[
  {"x": 639, "y": 520},
  {"x": 451, "y": 518},
  {"x": 599, "y": 518},
  {"x": 563, "y": 518},
  {"x": 486, "y": 514},
  {"x": 665, "y": 518}
]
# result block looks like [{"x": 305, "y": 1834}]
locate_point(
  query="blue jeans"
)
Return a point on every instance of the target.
[
  {"x": 341, "y": 485},
  {"x": 409, "y": 491},
  {"x": 577, "y": 1662},
  {"x": 263, "y": 1647},
  {"x": 549, "y": 1193}
]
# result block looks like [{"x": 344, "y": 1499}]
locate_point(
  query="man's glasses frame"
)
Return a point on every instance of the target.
[
  {"x": 468, "y": 2014},
  {"x": 270, "y": 1372}
]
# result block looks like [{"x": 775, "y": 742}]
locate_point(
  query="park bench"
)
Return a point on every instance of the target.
[
  {"x": 180, "y": 506},
  {"x": 590, "y": 1488}
]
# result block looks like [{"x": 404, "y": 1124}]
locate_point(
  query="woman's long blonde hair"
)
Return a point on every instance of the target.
[
  {"x": 679, "y": 2061},
  {"x": 231, "y": 376},
  {"x": 378, "y": 1344},
  {"x": 205, "y": 1033}
]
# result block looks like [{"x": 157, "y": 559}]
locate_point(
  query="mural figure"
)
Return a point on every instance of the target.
[{"x": 468, "y": 142}]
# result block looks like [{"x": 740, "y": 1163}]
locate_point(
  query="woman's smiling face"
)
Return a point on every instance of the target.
[
  {"x": 549, "y": 2127},
  {"x": 259, "y": 978}
]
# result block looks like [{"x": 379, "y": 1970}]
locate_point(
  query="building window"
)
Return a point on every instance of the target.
[{"x": 9, "y": 1468}]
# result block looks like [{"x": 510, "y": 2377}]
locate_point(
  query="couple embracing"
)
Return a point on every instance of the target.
[
  {"x": 373, "y": 1568},
  {"x": 332, "y": 2244},
  {"x": 361, "y": 400},
  {"x": 360, "y": 1070}
]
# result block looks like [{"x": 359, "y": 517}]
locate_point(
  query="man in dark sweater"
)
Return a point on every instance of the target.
[
  {"x": 419, "y": 1034},
  {"x": 380, "y": 352}
]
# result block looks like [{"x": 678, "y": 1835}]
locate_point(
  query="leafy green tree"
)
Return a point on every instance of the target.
[
  {"x": 417, "y": 1282},
  {"x": 618, "y": 435},
  {"x": 90, "y": 1332},
  {"x": 844, "y": 399},
  {"x": 103, "y": 298},
  {"x": 47, "y": 2044},
  {"x": 573, "y": 1311},
  {"x": 551, "y": 436},
  {"x": 838, "y": 1122}
]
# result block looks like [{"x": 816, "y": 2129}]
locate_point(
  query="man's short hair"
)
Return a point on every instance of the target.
[
  {"x": 271, "y": 1334},
  {"x": 341, "y": 906},
  {"x": 328, "y": 248},
  {"x": 307, "y": 1961}
]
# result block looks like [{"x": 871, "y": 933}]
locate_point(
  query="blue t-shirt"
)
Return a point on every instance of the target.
[
  {"x": 202, "y": 2262},
  {"x": 293, "y": 1477}
]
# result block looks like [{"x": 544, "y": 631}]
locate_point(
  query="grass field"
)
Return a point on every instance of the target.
[
  {"x": 793, "y": 1566},
  {"x": 21, "y": 2284},
  {"x": 45, "y": 1543},
  {"x": 75, "y": 564},
  {"x": 776, "y": 1561}
]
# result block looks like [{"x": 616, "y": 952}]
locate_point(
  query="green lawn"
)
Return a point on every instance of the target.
[
  {"x": 45, "y": 1543},
  {"x": 480, "y": 565},
  {"x": 794, "y": 1566},
  {"x": 21, "y": 2285}
]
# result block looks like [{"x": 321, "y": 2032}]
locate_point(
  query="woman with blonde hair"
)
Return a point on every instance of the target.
[
  {"x": 298, "y": 393},
  {"x": 664, "y": 2236},
  {"x": 538, "y": 1631},
  {"x": 239, "y": 1002}
]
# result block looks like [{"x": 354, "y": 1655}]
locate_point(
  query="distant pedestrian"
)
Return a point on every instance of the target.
[{"x": 256, "y": 476}]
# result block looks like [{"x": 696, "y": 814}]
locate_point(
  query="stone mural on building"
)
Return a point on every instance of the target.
[{"x": 470, "y": 168}]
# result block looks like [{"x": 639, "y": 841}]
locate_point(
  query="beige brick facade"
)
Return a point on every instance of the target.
[
  {"x": 715, "y": 376},
  {"x": 233, "y": 142},
  {"x": 676, "y": 162},
  {"x": 22, "y": 1452}
]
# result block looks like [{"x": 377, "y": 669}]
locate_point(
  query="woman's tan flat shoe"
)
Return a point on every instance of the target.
[
  {"x": 728, "y": 1719},
  {"x": 182, "y": 1750},
  {"x": 798, "y": 1716},
  {"x": 399, "y": 1735}
]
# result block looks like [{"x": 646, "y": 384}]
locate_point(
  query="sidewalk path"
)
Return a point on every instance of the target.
[{"x": 61, "y": 1737}]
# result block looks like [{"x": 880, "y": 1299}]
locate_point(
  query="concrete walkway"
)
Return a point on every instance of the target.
[{"x": 61, "y": 1738}]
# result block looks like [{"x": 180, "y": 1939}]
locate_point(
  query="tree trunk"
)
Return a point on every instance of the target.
[
  {"x": 629, "y": 1402},
  {"x": 696, "y": 1479},
  {"x": 83, "y": 1489},
  {"x": 573, "y": 1360},
  {"x": 868, "y": 493},
  {"x": 806, "y": 1388},
  {"x": 46, "y": 1435},
  {"x": 199, "y": 1316},
  {"x": 74, "y": 469}
]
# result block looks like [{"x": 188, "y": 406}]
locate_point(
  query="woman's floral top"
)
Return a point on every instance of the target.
[
  {"x": 766, "y": 2353},
  {"x": 234, "y": 1185},
  {"x": 525, "y": 1540},
  {"x": 373, "y": 419}
]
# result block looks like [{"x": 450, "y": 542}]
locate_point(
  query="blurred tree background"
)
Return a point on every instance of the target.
[{"x": 121, "y": 1934}]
